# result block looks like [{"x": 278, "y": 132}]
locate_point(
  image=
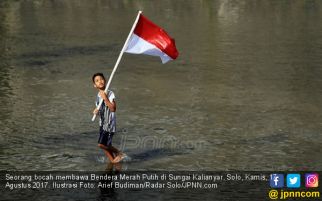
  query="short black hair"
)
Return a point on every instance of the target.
[{"x": 97, "y": 74}]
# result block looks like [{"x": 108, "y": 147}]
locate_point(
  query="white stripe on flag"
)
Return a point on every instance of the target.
[{"x": 138, "y": 45}]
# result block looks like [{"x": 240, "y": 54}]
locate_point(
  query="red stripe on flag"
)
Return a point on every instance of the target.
[{"x": 155, "y": 35}]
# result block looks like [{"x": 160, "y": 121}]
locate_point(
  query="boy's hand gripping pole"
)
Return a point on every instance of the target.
[{"x": 118, "y": 60}]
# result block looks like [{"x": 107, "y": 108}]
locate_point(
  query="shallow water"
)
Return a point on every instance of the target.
[{"x": 244, "y": 94}]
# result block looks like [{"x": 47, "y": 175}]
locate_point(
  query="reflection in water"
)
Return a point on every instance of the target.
[
  {"x": 107, "y": 189},
  {"x": 247, "y": 84}
]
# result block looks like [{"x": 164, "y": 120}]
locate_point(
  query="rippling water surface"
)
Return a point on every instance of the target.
[{"x": 244, "y": 94}]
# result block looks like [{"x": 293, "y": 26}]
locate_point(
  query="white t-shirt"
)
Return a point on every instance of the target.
[{"x": 107, "y": 118}]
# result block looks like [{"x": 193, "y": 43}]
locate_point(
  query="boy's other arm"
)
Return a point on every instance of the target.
[
  {"x": 108, "y": 103},
  {"x": 95, "y": 111}
]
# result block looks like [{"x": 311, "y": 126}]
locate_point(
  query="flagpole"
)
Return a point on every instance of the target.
[{"x": 118, "y": 60}]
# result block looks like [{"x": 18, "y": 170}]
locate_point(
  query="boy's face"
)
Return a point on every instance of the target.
[{"x": 99, "y": 82}]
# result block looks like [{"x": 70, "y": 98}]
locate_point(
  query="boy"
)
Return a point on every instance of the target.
[{"x": 107, "y": 119}]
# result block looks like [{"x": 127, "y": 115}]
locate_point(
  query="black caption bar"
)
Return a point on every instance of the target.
[{"x": 174, "y": 185}]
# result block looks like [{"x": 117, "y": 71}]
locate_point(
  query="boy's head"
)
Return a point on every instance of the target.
[{"x": 99, "y": 81}]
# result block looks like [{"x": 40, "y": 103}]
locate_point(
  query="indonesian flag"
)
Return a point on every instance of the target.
[{"x": 148, "y": 38}]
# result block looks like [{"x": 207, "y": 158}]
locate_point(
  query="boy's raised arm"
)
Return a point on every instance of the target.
[{"x": 110, "y": 105}]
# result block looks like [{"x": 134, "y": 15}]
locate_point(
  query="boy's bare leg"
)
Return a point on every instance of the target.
[
  {"x": 110, "y": 150},
  {"x": 107, "y": 152},
  {"x": 115, "y": 150},
  {"x": 118, "y": 154},
  {"x": 109, "y": 155}
]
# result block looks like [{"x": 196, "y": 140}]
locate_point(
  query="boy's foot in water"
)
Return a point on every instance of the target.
[{"x": 119, "y": 157}]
